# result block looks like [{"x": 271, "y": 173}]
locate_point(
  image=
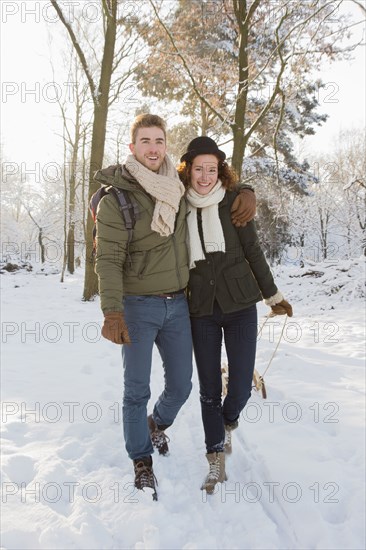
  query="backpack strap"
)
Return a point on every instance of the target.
[
  {"x": 93, "y": 206},
  {"x": 127, "y": 209},
  {"x": 126, "y": 206},
  {"x": 95, "y": 200}
]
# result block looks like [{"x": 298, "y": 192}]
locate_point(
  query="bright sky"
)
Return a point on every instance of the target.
[
  {"x": 343, "y": 100},
  {"x": 30, "y": 116}
]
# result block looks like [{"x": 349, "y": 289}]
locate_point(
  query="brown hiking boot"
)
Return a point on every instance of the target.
[
  {"x": 158, "y": 437},
  {"x": 217, "y": 472},
  {"x": 144, "y": 475},
  {"x": 227, "y": 444}
]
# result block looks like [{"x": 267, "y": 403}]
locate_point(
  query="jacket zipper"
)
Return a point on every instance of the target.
[
  {"x": 176, "y": 261},
  {"x": 144, "y": 265}
]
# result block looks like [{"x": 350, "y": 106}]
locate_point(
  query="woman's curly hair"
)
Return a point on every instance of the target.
[{"x": 226, "y": 174}]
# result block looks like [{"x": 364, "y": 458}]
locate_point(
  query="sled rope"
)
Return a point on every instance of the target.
[
  {"x": 258, "y": 379},
  {"x": 261, "y": 328},
  {"x": 276, "y": 348}
]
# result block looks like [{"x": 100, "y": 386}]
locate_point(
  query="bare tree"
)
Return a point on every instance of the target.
[
  {"x": 75, "y": 131},
  {"x": 351, "y": 162},
  {"x": 103, "y": 94},
  {"x": 331, "y": 221},
  {"x": 250, "y": 47}
]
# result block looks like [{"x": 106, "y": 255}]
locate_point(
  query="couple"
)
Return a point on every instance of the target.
[{"x": 189, "y": 272}]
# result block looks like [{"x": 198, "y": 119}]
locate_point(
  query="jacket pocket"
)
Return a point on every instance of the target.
[
  {"x": 138, "y": 265},
  {"x": 194, "y": 292},
  {"x": 241, "y": 284}
]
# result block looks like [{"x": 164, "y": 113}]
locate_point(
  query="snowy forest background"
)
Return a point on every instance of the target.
[{"x": 245, "y": 73}]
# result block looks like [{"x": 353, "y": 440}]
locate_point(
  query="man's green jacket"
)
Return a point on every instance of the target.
[{"x": 152, "y": 264}]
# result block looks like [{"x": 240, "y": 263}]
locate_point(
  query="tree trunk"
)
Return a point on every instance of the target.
[
  {"x": 240, "y": 8},
  {"x": 41, "y": 245},
  {"x": 65, "y": 220},
  {"x": 239, "y": 145},
  {"x": 97, "y": 147},
  {"x": 70, "y": 185},
  {"x": 96, "y": 161},
  {"x": 83, "y": 191},
  {"x": 204, "y": 119},
  {"x": 100, "y": 97},
  {"x": 71, "y": 248},
  {"x": 324, "y": 235},
  {"x": 72, "y": 198},
  {"x": 71, "y": 231}
]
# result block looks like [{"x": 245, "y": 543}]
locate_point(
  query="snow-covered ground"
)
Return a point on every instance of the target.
[{"x": 296, "y": 475}]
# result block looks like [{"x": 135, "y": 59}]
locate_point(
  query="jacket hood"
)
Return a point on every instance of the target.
[{"x": 116, "y": 175}]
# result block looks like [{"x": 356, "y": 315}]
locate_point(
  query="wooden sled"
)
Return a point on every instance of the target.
[{"x": 258, "y": 381}]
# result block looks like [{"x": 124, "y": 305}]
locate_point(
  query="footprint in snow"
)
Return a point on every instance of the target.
[
  {"x": 333, "y": 510},
  {"x": 151, "y": 539},
  {"x": 15, "y": 431},
  {"x": 71, "y": 451},
  {"x": 20, "y": 469},
  {"x": 86, "y": 369}
]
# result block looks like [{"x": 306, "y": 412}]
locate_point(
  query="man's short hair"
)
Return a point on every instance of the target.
[{"x": 146, "y": 121}]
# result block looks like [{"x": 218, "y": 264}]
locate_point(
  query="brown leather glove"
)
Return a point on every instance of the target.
[
  {"x": 282, "y": 308},
  {"x": 115, "y": 328},
  {"x": 243, "y": 208}
]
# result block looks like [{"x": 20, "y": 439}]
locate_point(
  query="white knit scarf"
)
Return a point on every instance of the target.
[
  {"x": 165, "y": 186},
  {"x": 213, "y": 235}
]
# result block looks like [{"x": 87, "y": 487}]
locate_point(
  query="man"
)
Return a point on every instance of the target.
[{"x": 142, "y": 284}]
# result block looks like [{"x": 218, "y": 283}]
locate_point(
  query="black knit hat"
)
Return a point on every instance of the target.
[{"x": 202, "y": 145}]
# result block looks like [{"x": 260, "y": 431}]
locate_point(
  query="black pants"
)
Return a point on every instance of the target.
[{"x": 240, "y": 334}]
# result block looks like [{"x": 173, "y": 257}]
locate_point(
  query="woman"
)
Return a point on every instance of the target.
[{"x": 228, "y": 275}]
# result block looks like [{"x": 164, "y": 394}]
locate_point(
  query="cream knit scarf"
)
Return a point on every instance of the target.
[
  {"x": 213, "y": 235},
  {"x": 165, "y": 186}
]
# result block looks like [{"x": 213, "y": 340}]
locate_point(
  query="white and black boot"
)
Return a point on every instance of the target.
[
  {"x": 144, "y": 475},
  {"x": 159, "y": 439}
]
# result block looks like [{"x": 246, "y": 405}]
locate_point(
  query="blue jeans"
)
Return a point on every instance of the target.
[
  {"x": 240, "y": 333},
  {"x": 165, "y": 322}
]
